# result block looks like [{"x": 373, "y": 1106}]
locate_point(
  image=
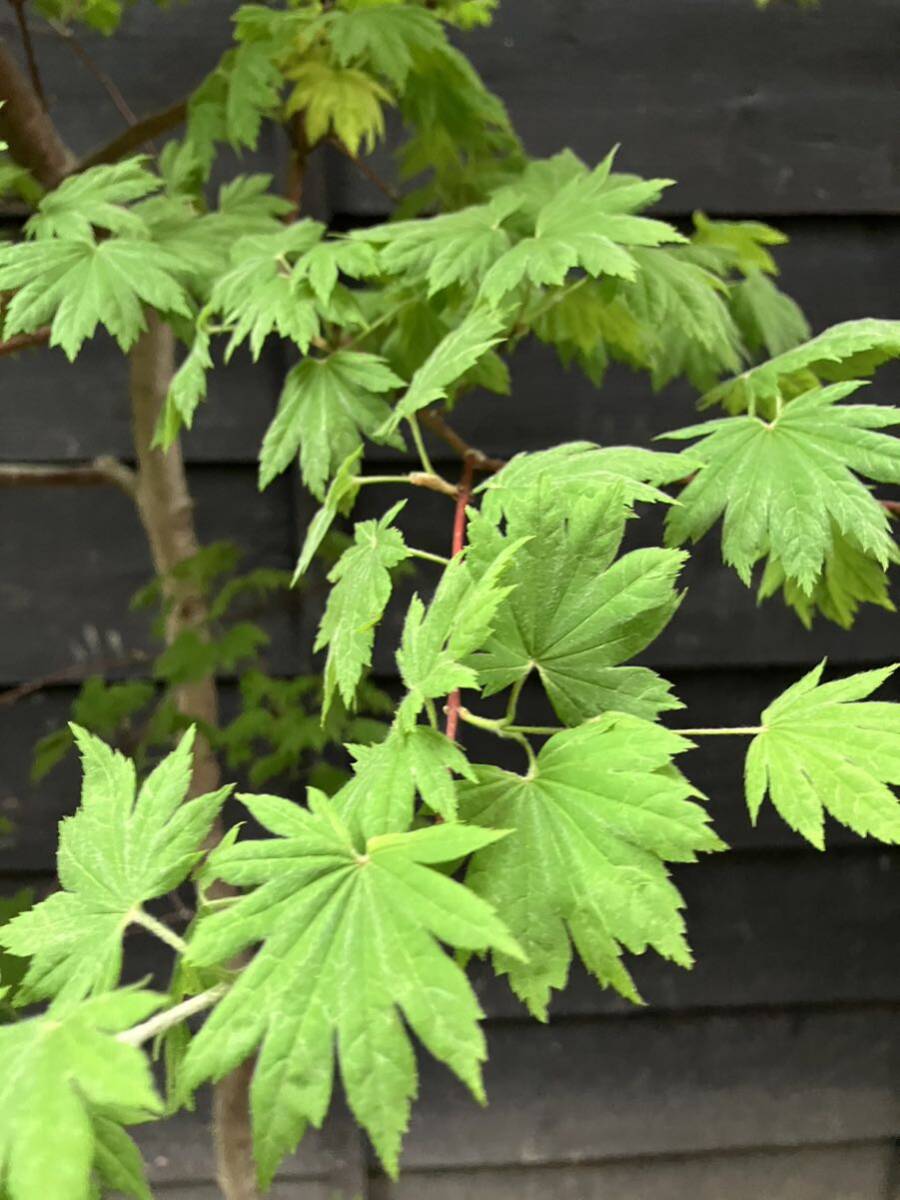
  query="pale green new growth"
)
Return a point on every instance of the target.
[
  {"x": 116, "y": 853},
  {"x": 594, "y": 823},
  {"x": 349, "y": 934},
  {"x": 823, "y": 748}
]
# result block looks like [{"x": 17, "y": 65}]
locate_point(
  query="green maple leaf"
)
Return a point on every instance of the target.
[
  {"x": 386, "y": 39},
  {"x": 587, "y": 224},
  {"x": 340, "y": 100},
  {"x": 453, "y": 248},
  {"x": 380, "y": 797},
  {"x": 685, "y": 307},
  {"x": 785, "y": 485},
  {"x": 338, "y": 499},
  {"x": 349, "y": 942},
  {"x": 580, "y": 468},
  {"x": 117, "y": 852},
  {"x": 63, "y": 1079},
  {"x": 326, "y": 408},
  {"x": 95, "y": 199},
  {"x": 447, "y": 363},
  {"x": 849, "y": 578},
  {"x": 576, "y": 613},
  {"x": 77, "y": 285},
  {"x": 361, "y": 588},
  {"x": 594, "y": 822},
  {"x": 437, "y": 640},
  {"x": 824, "y": 748},
  {"x": 742, "y": 243},
  {"x": 260, "y": 293},
  {"x": 767, "y": 318},
  {"x": 846, "y": 351}
]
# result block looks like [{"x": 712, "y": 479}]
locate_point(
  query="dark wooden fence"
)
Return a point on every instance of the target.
[{"x": 771, "y": 1069}]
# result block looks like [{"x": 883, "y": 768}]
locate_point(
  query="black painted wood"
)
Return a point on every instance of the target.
[
  {"x": 853, "y": 1172},
  {"x": 576, "y": 1091},
  {"x": 70, "y": 561},
  {"x": 781, "y": 112}
]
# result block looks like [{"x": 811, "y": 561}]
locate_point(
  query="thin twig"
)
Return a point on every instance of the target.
[
  {"x": 432, "y": 419},
  {"x": 18, "y": 7},
  {"x": 364, "y": 169},
  {"x": 150, "y": 1029},
  {"x": 102, "y": 472},
  {"x": 142, "y": 131},
  {"x": 463, "y": 496},
  {"x": 105, "y": 81},
  {"x": 75, "y": 673},
  {"x": 25, "y": 341},
  {"x": 892, "y": 506}
]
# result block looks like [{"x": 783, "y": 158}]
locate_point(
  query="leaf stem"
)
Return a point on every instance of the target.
[
  {"x": 734, "y": 731},
  {"x": 514, "y": 698},
  {"x": 426, "y": 556},
  {"x": 420, "y": 445},
  {"x": 172, "y": 1016},
  {"x": 537, "y": 730},
  {"x": 140, "y": 917},
  {"x": 500, "y": 729}
]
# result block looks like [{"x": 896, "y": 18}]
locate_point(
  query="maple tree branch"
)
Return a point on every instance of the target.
[
  {"x": 106, "y": 82},
  {"x": 464, "y": 494},
  {"x": 18, "y": 7},
  {"x": 364, "y": 169},
  {"x": 170, "y": 1017},
  {"x": 432, "y": 419},
  {"x": 25, "y": 125},
  {"x": 135, "y": 136},
  {"x": 75, "y": 673},
  {"x": 101, "y": 472},
  {"x": 25, "y": 341}
]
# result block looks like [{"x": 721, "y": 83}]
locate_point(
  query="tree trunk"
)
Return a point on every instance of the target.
[{"x": 167, "y": 514}]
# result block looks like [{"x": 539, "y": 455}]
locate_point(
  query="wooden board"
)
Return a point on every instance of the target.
[
  {"x": 70, "y": 561},
  {"x": 776, "y": 112},
  {"x": 588, "y": 1091},
  {"x": 856, "y": 1172}
]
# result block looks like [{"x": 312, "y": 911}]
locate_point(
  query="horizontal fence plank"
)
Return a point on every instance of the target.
[
  {"x": 70, "y": 561},
  {"x": 781, "y": 112},
  {"x": 588, "y": 1091},
  {"x": 711, "y": 697},
  {"x": 58, "y": 411},
  {"x": 857, "y": 1172},
  {"x": 836, "y": 269},
  {"x": 179, "y": 1151}
]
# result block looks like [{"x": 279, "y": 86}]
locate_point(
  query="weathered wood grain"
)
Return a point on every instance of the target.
[
  {"x": 592, "y": 1090},
  {"x": 853, "y": 1172}
]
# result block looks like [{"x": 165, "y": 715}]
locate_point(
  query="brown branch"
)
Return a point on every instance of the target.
[
  {"x": 464, "y": 494},
  {"x": 167, "y": 514},
  {"x": 24, "y": 124},
  {"x": 18, "y": 7},
  {"x": 102, "y": 472},
  {"x": 25, "y": 341},
  {"x": 364, "y": 169},
  {"x": 432, "y": 419},
  {"x": 133, "y": 138},
  {"x": 106, "y": 82},
  {"x": 75, "y": 673},
  {"x": 892, "y": 506}
]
